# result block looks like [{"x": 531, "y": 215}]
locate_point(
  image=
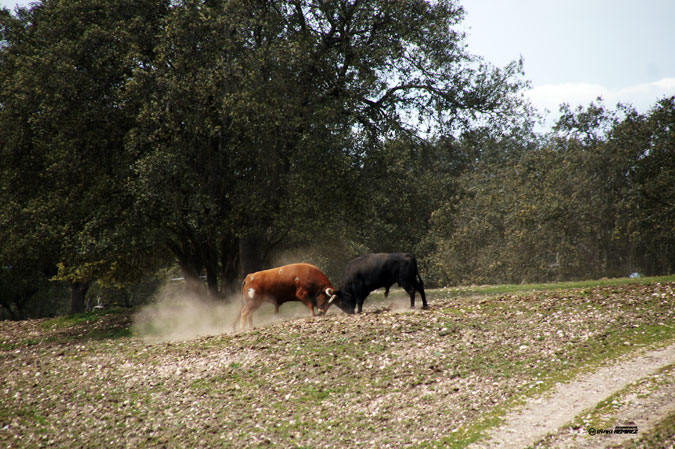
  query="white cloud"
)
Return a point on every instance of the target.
[
  {"x": 641, "y": 96},
  {"x": 550, "y": 96},
  {"x": 667, "y": 84}
]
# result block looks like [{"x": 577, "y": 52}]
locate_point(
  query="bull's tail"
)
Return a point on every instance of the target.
[
  {"x": 421, "y": 286},
  {"x": 417, "y": 271},
  {"x": 243, "y": 303}
]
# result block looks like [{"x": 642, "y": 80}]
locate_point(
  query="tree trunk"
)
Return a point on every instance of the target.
[
  {"x": 10, "y": 312},
  {"x": 250, "y": 255},
  {"x": 78, "y": 292},
  {"x": 212, "y": 275},
  {"x": 229, "y": 264},
  {"x": 191, "y": 266}
]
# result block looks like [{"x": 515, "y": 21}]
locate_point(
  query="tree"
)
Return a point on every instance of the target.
[
  {"x": 64, "y": 119},
  {"x": 649, "y": 144},
  {"x": 260, "y": 115},
  {"x": 592, "y": 200}
]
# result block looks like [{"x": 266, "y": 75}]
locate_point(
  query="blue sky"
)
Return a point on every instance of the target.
[{"x": 576, "y": 50}]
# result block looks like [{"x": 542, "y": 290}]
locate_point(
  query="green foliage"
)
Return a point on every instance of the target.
[
  {"x": 651, "y": 138},
  {"x": 63, "y": 122},
  {"x": 263, "y": 122},
  {"x": 575, "y": 207},
  {"x": 220, "y": 132},
  {"x": 231, "y": 135},
  {"x": 403, "y": 182}
]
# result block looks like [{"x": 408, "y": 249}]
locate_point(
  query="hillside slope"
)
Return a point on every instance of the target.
[{"x": 387, "y": 378}]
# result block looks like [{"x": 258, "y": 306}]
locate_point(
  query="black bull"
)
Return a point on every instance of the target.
[{"x": 372, "y": 271}]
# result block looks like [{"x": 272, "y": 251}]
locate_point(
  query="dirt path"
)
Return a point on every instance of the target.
[
  {"x": 545, "y": 415},
  {"x": 642, "y": 404}
]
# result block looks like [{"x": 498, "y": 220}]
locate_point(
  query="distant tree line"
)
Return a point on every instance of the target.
[
  {"x": 220, "y": 137},
  {"x": 594, "y": 198}
]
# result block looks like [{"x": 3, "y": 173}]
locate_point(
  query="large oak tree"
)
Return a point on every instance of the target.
[
  {"x": 64, "y": 116},
  {"x": 259, "y": 116}
]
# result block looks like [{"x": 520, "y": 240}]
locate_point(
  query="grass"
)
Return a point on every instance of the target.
[
  {"x": 516, "y": 288},
  {"x": 660, "y": 436},
  {"x": 386, "y": 378}
]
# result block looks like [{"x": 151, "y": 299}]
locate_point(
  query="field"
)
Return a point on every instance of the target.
[{"x": 390, "y": 377}]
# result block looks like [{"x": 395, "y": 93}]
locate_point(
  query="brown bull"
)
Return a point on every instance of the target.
[{"x": 296, "y": 282}]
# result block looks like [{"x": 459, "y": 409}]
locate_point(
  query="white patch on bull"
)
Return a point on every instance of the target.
[
  {"x": 251, "y": 293},
  {"x": 297, "y": 279},
  {"x": 251, "y": 278},
  {"x": 280, "y": 270}
]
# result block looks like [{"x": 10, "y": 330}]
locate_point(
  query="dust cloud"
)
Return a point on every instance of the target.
[
  {"x": 397, "y": 302},
  {"x": 176, "y": 315}
]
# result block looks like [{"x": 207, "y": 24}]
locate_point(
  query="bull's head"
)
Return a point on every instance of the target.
[
  {"x": 330, "y": 297},
  {"x": 346, "y": 303}
]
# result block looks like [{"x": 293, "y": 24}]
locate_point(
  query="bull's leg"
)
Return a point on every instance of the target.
[
  {"x": 419, "y": 286},
  {"x": 243, "y": 315},
  {"x": 411, "y": 291},
  {"x": 250, "y": 314},
  {"x": 237, "y": 320},
  {"x": 358, "y": 290},
  {"x": 359, "y": 297},
  {"x": 304, "y": 297},
  {"x": 247, "y": 315}
]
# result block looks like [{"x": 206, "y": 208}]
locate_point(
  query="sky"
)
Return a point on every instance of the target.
[{"x": 575, "y": 50}]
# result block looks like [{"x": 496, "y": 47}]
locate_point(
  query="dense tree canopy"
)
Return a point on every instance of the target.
[
  {"x": 577, "y": 206},
  {"x": 63, "y": 122},
  {"x": 263, "y": 116},
  {"x": 218, "y": 135}
]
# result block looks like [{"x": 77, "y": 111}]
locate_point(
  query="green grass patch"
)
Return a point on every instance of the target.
[
  {"x": 519, "y": 288},
  {"x": 67, "y": 321}
]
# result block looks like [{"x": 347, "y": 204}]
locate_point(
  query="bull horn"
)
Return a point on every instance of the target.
[{"x": 330, "y": 292}]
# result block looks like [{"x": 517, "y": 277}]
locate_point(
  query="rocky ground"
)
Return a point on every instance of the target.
[{"x": 390, "y": 377}]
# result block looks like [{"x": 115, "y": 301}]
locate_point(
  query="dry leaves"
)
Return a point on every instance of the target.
[{"x": 380, "y": 379}]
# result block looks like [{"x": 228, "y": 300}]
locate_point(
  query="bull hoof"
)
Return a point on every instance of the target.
[{"x": 425, "y": 306}]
